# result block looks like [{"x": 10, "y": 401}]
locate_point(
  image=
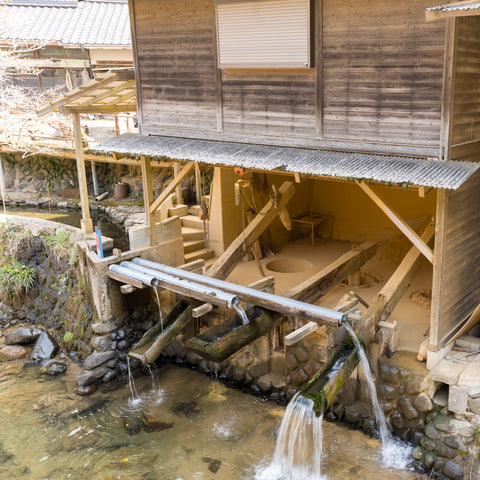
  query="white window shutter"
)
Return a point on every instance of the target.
[{"x": 263, "y": 34}]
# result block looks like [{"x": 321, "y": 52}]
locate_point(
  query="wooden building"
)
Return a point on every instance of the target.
[
  {"x": 347, "y": 97},
  {"x": 65, "y": 41}
]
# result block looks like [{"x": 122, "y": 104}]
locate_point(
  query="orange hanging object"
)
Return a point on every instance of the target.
[{"x": 239, "y": 171}]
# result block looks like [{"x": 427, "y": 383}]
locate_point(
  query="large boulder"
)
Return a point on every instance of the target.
[
  {"x": 45, "y": 348},
  {"x": 22, "y": 336}
]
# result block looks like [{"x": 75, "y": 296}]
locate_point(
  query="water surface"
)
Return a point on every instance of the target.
[{"x": 186, "y": 427}]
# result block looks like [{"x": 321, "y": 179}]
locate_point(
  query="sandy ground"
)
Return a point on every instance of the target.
[{"x": 411, "y": 314}]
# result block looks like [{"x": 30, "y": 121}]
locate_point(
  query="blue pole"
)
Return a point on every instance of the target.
[{"x": 98, "y": 232}]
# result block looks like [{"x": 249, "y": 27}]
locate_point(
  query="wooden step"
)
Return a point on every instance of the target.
[
  {"x": 194, "y": 209},
  {"x": 189, "y": 234},
  {"x": 192, "y": 221},
  {"x": 203, "y": 253},
  {"x": 193, "y": 245},
  {"x": 179, "y": 210}
]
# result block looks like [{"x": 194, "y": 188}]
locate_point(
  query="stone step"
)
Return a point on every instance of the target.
[
  {"x": 189, "y": 234},
  {"x": 203, "y": 253},
  {"x": 468, "y": 342},
  {"x": 192, "y": 221},
  {"x": 193, "y": 245},
  {"x": 179, "y": 210}
]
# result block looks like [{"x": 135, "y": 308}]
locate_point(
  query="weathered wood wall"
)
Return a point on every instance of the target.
[
  {"x": 383, "y": 68},
  {"x": 465, "y": 137},
  {"x": 176, "y": 64},
  {"x": 456, "y": 273},
  {"x": 376, "y": 85}
]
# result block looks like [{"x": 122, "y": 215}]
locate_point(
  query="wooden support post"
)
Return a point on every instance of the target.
[
  {"x": 95, "y": 179},
  {"x": 86, "y": 222},
  {"x": 405, "y": 228},
  {"x": 2, "y": 186},
  {"x": 178, "y": 190},
  {"x": 242, "y": 244},
  {"x": 147, "y": 185},
  {"x": 171, "y": 187},
  {"x": 198, "y": 184}
]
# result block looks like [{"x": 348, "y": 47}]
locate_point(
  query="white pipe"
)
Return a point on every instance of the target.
[
  {"x": 102, "y": 196},
  {"x": 186, "y": 287},
  {"x": 270, "y": 301},
  {"x": 146, "y": 279}
]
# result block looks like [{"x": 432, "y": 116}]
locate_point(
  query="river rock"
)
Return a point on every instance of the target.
[
  {"x": 54, "y": 367},
  {"x": 291, "y": 361},
  {"x": 397, "y": 420},
  {"x": 238, "y": 374},
  {"x": 423, "y": 403},
  {"x": 299, "y": 377},
  {"x": 418, "y": 384},
  {"x": 474, "y": 405},
  {"x": 265, "y": 383},
  {"x": 22, "y": 336},
  {"x": 98, "y": 358},
  {"x": 100, "y": 344},
  {"x": 432, "y": 432},
  {"x": 86, "y": 390},
  {"x": 301, "y": 354},
  {"x": 12, "y": 352},
  {"x": 408, "y": 410},
  {"x": 87, "y": 377},
  {"x": 389, "y": 374},
  {"x": 107, "y": 327},
  {"x": 45, "y": 347},
  {"x": 109, "y": 376},
  {"x": 453, "y": 470},
  {"x": 456, "y": 443}
]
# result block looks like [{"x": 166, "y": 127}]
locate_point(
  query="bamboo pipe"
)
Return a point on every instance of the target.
[{"x": 270, "y": 301}]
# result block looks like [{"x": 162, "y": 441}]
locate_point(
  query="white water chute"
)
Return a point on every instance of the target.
[
  {"x": 182, "y": 286},
  {"x": 269, "y": 301}
]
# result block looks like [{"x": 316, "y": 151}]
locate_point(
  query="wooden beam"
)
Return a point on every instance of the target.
[
  {"x": 242, "y": 244},
  {"x": 131, "y": 107},
  {"x": 108, "y": 93},
  {"x": 147, "y": 186},
  {"x": 329, "y": 277},
  {"x": 384, "y": 303},
  {"x": 403, "y": 226},
  {"x": 171, "y": 187},
  {"x": 86, "y": 221},
  {"x": 77, "y": 93}
]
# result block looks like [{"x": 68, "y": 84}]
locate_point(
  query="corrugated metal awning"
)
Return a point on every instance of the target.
[
  {"x": 382, "y": 168},
  {"x": 457, "y": 9}
]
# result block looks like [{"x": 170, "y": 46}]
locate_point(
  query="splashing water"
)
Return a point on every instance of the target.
[
  {"x": 394, "y": 453},
  {"x": 157, "y": 392},
  {"x": 298, "y": 453},
  {"x": 241, "y": 314},
  {"x": 160, "y": 313}
]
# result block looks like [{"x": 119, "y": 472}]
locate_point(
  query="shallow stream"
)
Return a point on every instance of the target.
[{"x": 184, "y": 426}]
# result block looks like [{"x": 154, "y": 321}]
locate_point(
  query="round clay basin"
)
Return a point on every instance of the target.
[{"x": 288, "y": 265}]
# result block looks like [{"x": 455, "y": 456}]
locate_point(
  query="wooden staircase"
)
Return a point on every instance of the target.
[{"x": 192, "y": 233}]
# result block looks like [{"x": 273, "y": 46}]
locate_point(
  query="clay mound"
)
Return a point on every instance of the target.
[
  {"x": 70, "y": 193},
  {"x": 423, "y": 298}
]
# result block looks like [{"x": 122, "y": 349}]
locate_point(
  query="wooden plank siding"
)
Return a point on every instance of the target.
[
  {"x": 376, "y": 84},
  {"x": 466, "y": 102},
  {"x": 383, "y": 69},
  {"x": 457, "y": 260},
  {"x": 176, "y": 63}
]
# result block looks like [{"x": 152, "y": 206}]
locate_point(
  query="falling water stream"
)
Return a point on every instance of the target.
[
  {"x": 241, "y": 313},
  {"x": 394, "y": 453},
  {"x": 160, "y": 313}
]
